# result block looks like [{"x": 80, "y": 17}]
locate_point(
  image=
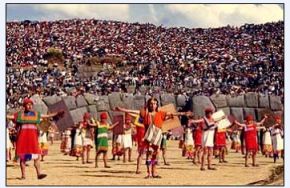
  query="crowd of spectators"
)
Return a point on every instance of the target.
[{"x": 228, "y": 60}]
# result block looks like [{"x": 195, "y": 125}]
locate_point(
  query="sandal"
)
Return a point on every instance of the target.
[
  {"x": 202, "y": 169},
  {"x": 138, "y": 172},
  {"x": 107, "y": 167},
  {"x": 157, "y": 176},
  {"x": 147, "y": 177},
  {"x": 211, "y": 168},
  {"x": 255, "y": 165},
  {"x": 41, "y": 176},
  {"x": 246, "y": 165}
]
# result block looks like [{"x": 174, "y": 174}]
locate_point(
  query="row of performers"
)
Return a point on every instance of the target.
[
  {"x": 270, "y": 141},
  {"x": 27, "y": 145}
]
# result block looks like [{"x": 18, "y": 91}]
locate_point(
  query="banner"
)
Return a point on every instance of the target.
[{"x": 170, "y": 123}]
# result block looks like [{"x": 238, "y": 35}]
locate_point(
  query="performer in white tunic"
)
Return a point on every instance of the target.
[
  {"x": 277, "y": 138},
  {"x": 8, "y": 146},
  {"x": 127, "y": 138},
  {"x": 207, "y": 137},
  {"x": 42, "y": 140},
  {"x": 267, "y": 143},
  {"x": 78, "y": 142},
  {"x": 67, "y": 141},
  {"x": 189, "y": 143},
  {"x": 236, "y": 142}
]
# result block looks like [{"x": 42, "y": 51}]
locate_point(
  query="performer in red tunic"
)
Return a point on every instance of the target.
[
  {"x": 220, "y": 144},
  {"x": 27, "y": 146},
  {"x": 197, "y": 137},
  {"x": 251, "y": 142}
]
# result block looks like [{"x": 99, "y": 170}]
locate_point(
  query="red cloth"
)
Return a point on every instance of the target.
[
  {"x": 27, "y": 140},
  {"x": 220, "y": 139},
  {"x": 140, "y": 133},
  {"x": 251, "y": 138},
  {"x": 198, "y": 136}
]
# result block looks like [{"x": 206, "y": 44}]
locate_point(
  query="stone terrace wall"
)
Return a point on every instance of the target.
[{"x": 239, "y": 106}]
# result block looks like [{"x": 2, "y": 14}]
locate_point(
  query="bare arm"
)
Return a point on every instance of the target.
[
  {"x": 43, "y": 116},
  {"x": 262, "y": 121},
  {"x": 239, "y": 124},
  {"x": 195, "y": 121},
  {"x": 178, "y": 114},
  {"x": 127, "y": 110},
  {"x": 113, "y": 126}
]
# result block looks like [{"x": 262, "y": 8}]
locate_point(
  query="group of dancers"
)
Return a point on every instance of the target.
[{"x": 201, "y": 138}]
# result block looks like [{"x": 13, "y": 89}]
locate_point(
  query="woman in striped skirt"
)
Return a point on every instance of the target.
[{"x": 101, "y": 139}]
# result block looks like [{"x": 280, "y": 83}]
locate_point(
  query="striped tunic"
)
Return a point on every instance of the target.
[{"x": 101, "y": 137}]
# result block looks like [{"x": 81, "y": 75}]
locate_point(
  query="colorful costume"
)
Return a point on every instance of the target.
[
  {"x": 236, "y": 143},
  {"x": 27, "y": 146},
  {"x": 198, "y": 135},
  {"x": 220, "y": 139},
  {"x": 188, "y": 143},
  {"x": 78, "y": 143},
  {"x": 208, "y": 133},
  {"x": 251, "y": 141},
  {"x": 277, "y": 140},
  {"x": 267, "y": 142},
  {"x": 42, "y": 139},
  {"x": 101, "y": 139}
]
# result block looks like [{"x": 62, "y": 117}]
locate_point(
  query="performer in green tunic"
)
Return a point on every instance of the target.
[{"x": 101, "y": 138}]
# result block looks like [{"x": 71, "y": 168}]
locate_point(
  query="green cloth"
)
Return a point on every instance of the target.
[{"x": 101, "y": 142}]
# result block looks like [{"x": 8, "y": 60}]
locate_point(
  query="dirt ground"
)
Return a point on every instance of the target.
[{"x": 63, "y": 170}]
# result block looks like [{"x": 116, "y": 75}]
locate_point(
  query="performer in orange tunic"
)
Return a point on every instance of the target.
[
  {"x": 27, "y": 146},
  {"x": 152, "y": 117},
  {"x": 251, "y": 142}
]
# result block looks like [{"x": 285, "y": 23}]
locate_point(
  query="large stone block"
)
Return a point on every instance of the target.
[
  {"x": 66, "y": 121},
  {"x": 275, "y": 103},
  {"x": 131, "y": 89},
  {"x": 139, "y": 102},
  {"x": 250, "y": 111},
  {"x": 200, "y": 103},
  {"x": 219, "y": 100},
  {"x": 238, "y": 114},
  {"x": 264, "y": 101},
  {"x": 252, "y": 99},
  {"x": 39, "y": 105},
  {"x": 81, "y": 101},
  {"x": 236, "y": 101},
  {"x": 90, "y": 98},
  {"x": 70, "y": 101},
  {"x": 181, "y": 100},
  {"x": 167, "y": 98},
  {"x": 115, "y": 100},
  {"x": 128, "y": 100},
  {"x": 77, "y": 114},
  {"x": 92, "y": 108},
  {"x": 103, "y": 103},
  {"x": 143, "y": 89},
  {"x": 260, "y": 112},
  {"x": 50, "y": 100}
]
